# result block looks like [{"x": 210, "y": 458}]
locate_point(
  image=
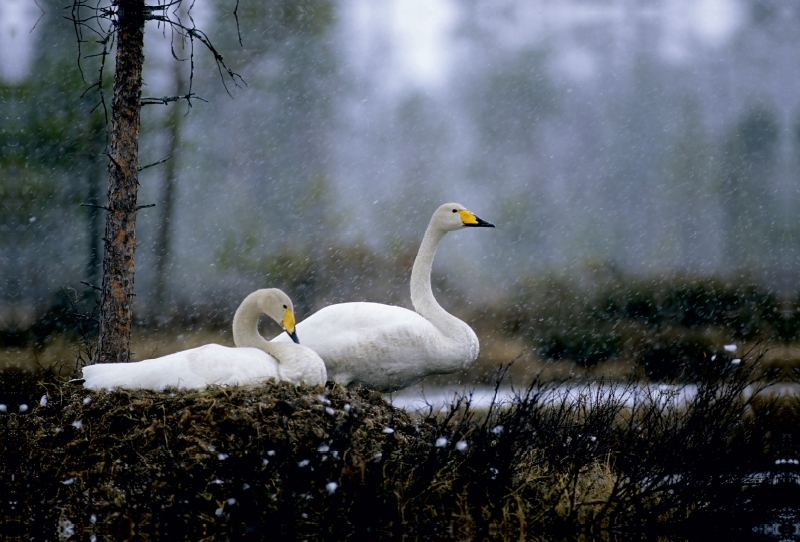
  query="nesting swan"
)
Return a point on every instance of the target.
[
  {"x": 252, "y": 361},
  {"x": 387, "y": 347}
]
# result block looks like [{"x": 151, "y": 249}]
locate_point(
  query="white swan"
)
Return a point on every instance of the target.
[
  {"x": 252, "y": 361},
  {"x": 387, "y": 347}
]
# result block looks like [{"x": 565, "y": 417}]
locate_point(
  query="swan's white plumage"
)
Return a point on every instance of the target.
[
  {"x": 253, "y": 361},
  {"x": 387, "y": 347}
]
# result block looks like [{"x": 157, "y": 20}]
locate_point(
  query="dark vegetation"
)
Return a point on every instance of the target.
[
  {"x": 328, "y": 463},
  {"x": 670, "y": 326}
]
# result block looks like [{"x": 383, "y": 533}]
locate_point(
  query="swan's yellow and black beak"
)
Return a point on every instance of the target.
[
  {"x": 288, "y": 325},
  {"x": 469, "y": 219}
]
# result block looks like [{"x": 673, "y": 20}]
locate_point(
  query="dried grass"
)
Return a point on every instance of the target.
[{"x": 230, "y": 464}]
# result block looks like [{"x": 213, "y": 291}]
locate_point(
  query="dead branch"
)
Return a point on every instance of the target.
[{"x": 155, "y": 163}]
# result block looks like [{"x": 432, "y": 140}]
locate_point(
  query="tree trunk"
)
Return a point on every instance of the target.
[
  {"x": 120, "y": 236},
  {"x": 161, "y": 302}
]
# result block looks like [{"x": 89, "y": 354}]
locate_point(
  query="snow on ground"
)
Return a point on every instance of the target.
[{"x": 481, "y": 397}]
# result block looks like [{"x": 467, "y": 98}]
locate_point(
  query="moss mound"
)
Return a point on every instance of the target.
[
  {"x": 220, "y": 462},
  {"x": 328, "y": 463}
]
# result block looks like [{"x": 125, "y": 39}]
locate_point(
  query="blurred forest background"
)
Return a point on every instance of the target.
[{"x": 640, "y": 161}]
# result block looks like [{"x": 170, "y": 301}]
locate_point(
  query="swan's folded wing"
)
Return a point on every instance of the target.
[
  {"x": 196, "y": 368},
  {"x": 153, "y": 374},
  {"x": 225, "y": 366},
  {"x": 377, "y": 345}
]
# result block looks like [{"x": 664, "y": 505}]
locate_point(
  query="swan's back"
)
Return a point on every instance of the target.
[
  {"x": 382, "y": 346},
  {"x": 211, "y": 364}
]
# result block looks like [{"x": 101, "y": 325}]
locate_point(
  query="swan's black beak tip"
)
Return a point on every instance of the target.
[
  {"x": 481, "y": 223},
  {"x": 293, "y": 335}
]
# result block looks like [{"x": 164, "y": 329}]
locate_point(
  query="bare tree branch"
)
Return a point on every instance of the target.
[
  {"x": 165, "y": 100},
  {"x": 155, "y": 163},
  {"x": 93, "y": 206}
]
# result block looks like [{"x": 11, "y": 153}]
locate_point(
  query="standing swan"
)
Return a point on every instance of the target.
[
  {"x": 387, "y": 347},
  {"x": 254, "y": 360}
]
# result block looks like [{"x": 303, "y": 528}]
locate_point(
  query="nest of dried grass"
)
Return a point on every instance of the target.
[{"x": 328, "y": 463}]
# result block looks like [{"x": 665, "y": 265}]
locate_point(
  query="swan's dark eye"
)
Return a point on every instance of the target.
[
  {"x": 455, "y": 210},
  {"x": 285, "y": 307}
]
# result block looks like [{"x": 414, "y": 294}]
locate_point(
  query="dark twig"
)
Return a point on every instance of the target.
[
  {"x": 42, "y": 16},
  {"x": 238, "y": 29},
  {"x": 164, "y": 100},
  {"x": 155, "y": 163},
  {"x": 93, "y": 206}
]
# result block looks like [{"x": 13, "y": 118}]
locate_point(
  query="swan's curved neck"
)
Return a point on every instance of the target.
[
  {"x": 245, "y": 326},
  {"x": 422, "y": 293}
]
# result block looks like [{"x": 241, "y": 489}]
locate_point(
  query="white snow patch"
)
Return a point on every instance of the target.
[
  {"x": 3, "y": 408},
  {"x": 43, "y": 400},
  {"x": 323, "y": 448},
  {"x": 87, "y": 400},
  {"x": 730, "y": 348},
  {"x": 77, "y": 424},
  {"x": 461, "y": 445},
  {"x": 498, "y": 429},
  {"x": 331, "y": 487},
  {"x": 23, "y": 408},
  {"x": 271, "y": 452},
  {"x": 66, "y": 529},
  {"x": 330, "y": 411},
  {"x": 441, "y": 442},
  {"x": 388, "y": 430},
  {"x": 736, "y": 361},
  {"x": 231, "y": 501},
  {"x": 222, "y": 457},
  {"x": 68, "y": 481},
  {"x": 303, "y": 463}
]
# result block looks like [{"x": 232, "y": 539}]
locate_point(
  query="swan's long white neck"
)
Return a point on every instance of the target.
[
  {"x": 245, "y": 326},
  {"x": 422, "y": 293}
]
